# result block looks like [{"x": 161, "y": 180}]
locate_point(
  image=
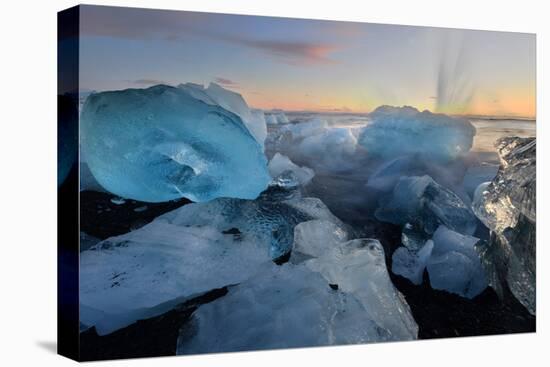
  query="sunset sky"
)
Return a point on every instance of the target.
[{"x": 297, "y": 64}]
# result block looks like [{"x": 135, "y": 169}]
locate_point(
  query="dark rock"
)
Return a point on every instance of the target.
[
  {"x": 282, "y": 259},
  {"x": 234, "y": 231},
  {"x": 440, "y": 314},
  {"x": 120, "y": 218}
]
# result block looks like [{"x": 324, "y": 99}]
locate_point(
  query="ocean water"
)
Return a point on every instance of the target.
[{"x": 489, "y": 130}]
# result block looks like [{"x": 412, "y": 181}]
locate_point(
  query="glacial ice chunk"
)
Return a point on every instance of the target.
[
  {"x": 448, "y": 174},
  {"x": 358, "y": 267},
  {"x": 342, "y": 294},
  {"x": 412, "y": 263},
  {"x": 452, "y": 261},
  {"x": 270, "y": 119},
  {"x": 454, "y": 264},
  {"x": 288, "y": 181},
  {"x": 426, "y": 204},
  {"x": 281, "y": 163},
  {"x": 491, "y": 221},
  {"x": 162, "y": 143},
  {"x": 304, "y": 129},
  {"x": 454, "y": 272},
  {"x": 396, "y": 131},
  {"x": 412, "y": 237},
  {"x": 507, "y": 206},
  {"x": 216, "y": 95},
  {"x": 127, "y": 277},
  {"x": 281, "y": 307},
  {"x": 316, "y": 237},
  {"x": 87, "y": 179},
  {"x": 386, "y": 176},
  {"x": 476, "y": 175},
  {"x": 331, "y": 149},
  {"x": 324, "y": 147},
  {"x": 499, "y": 203},
  {"x": 267, "y": 220},
  {"x": 282, "y": 118},
  {"x": 276, "y": 117},
  {"x": 187, "y": 252},
  {"x": 331, "y": 146}
]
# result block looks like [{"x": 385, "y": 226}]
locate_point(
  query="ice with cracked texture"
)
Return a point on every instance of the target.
[
  {"x": 339, "y": 294},
  {"x": 281, "y": 307},
  {"x": 507, "y": 206},
  {"x": 186, "y": 252},
  {"x": 315, "y": 237},
  {"x": 356, "y": 267}
]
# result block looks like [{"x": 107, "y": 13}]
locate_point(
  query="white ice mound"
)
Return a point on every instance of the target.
[
  {"x": 218, "y": 96},
  {"x": 280, "y": 164},
  {"x": 163, "y": 143},
  {"x": 282, "y": 307},
  {"x": 395, "y": 131},
  {"x": 332, "y": 147},
  {"x": 186, "y": 252},
  {"x": 426, "y": 204},
  {"x": 454, "y": 264},
  {"x": 325, "y": 148},
  {"x": 276, "y": 117}
]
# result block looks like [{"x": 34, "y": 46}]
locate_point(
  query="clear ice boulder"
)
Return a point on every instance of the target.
[{"x": 164, "y": 143}]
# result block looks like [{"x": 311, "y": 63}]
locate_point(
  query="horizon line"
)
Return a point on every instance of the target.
[{"x": 350, "y": 112}]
